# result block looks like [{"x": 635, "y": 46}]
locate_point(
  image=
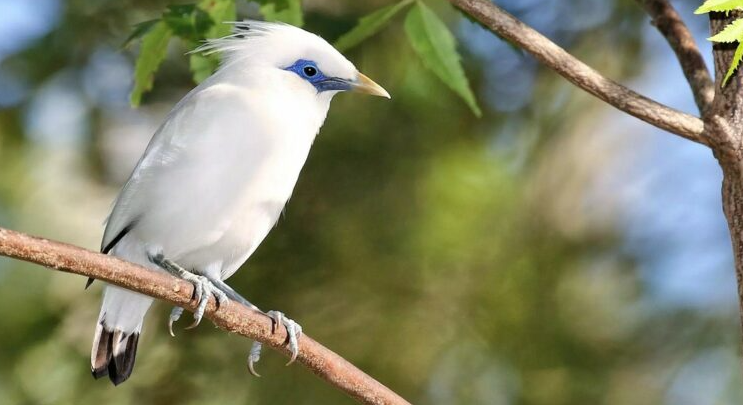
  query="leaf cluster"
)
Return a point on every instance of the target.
[
  {"x": 427, "y": 34},
  {"x": 733, "y": 32},
  {"x": 430, "y": 39},
  {"x": 190, "y": 22}
]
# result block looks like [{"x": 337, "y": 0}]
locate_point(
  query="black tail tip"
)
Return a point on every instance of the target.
[
  {"x": 113, "y": 355},
  {"x": 117, "y": 379},
  {"x": 99, "y": 372},
  {"x": 110, "y": 371}
]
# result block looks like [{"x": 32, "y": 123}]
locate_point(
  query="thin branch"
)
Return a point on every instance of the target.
[
  {"x": 507, "y": 26},
  {"x": 231, "y": 316},
  {"x": 669, "y": 23}
]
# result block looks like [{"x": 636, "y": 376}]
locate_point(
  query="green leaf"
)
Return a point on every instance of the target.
[
  {"x": 139, "y": 30},
  {"x": 436, "y": 46},
  {"x": 151, "y": 54},
  {"x": 288, "y": 11},
  {"x": 734, "y": 64},
  {"x": 369, "y": 25},
  {"x": 719, "y": 5},
  {"x": 733, "y": 32},
  {"x": 202, "y": 66},
  {"x": 188, "y": 21},
  {"x": 220, "y": 11}
]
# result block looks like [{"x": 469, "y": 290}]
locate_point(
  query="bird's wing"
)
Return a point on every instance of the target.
[{"x": 164, "y": 149}]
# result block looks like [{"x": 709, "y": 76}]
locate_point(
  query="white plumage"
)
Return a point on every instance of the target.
[{"x": 216, "y": 175}]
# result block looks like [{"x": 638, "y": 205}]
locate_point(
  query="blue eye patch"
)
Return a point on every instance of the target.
[{"x": 308, "y": 70}]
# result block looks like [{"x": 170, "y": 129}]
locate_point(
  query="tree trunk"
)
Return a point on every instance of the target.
[
  {"x": 724, "y": 124},
  {"x": 732, "y": 201}
]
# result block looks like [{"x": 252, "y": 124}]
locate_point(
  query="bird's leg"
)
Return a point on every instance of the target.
[
  {"x": 231, "y": 293},
  {"x": 293, "y": 329},
  {"x": 203, "y": 288},
  {"x": 293, "y": 332}
]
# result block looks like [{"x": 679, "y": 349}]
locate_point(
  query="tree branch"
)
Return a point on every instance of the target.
[
  {"x": 507, "y": 26},
  {"x": 231, "y": 316},
  {"x": 670, "y": 24}
]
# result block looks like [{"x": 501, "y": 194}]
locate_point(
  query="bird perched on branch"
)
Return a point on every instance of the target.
[{"x": 216, "y": 175}]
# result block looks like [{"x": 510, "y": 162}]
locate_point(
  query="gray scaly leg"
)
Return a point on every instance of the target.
[
  {"x": 231, "y": 293},
  {"x": 203, "y": 288}
]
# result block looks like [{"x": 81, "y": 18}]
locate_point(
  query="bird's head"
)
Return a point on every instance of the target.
[{"x": 305, "y": 59}]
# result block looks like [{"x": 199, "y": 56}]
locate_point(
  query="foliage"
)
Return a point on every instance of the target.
[
  {"x": 192, "y": 23},
  {"x": 288, "y": 11},
  {"x": 369, "y": 25},
  {"x": 719, "y": 6},
  {"x": 202, "y": 66},
  {"x": 733, "y": 32},
  {"x": 436, "y": 46},
  {"x": 152, "y": 53},
  {"x": 427, "y": 34}
]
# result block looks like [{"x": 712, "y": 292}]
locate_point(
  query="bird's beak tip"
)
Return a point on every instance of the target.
[{"x": 365, "y": 85}]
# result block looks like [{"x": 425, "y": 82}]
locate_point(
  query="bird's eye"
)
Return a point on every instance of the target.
[{"x": 309, "y": 71}]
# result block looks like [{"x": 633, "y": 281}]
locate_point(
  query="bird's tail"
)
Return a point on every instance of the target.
[{"x": 117, "y": 333}]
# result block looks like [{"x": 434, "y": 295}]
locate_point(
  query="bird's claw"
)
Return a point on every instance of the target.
[
  {"x": 203, "y": 289},
  {"x": 254, "y": 357},
  {"x": 175, "y": 315},
  {"x": 293, "y": 332}
]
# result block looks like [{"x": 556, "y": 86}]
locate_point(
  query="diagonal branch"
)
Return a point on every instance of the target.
[
  {"x": 231, "y": 316},
  {"x": 669, "y": 23},
  {"x": 507, "y": 26}
]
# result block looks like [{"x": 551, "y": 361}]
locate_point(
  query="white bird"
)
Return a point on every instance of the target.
[{"x": 216, "y": 175}]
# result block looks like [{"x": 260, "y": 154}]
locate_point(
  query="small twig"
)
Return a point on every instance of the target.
[
  {"x": 231, "y": 316},
  {"x": 669, "y": 23},
  {"x": 507, "y": 26}
]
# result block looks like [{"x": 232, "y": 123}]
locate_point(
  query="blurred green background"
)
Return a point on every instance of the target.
[{"x": 554, "y": 251}]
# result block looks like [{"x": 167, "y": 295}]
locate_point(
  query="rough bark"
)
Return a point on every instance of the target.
[
  {"x": 232, "y": 317},
  {"x": 725, "y": 129},
  {"x": 668, "y": 21}
]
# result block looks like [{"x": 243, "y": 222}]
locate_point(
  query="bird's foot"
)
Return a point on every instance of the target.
[
  {"x": 293, "y": 332},
  {"x": 203, "y": 289}
]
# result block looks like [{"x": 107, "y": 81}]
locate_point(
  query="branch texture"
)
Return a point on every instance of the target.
[
  {"x": 231, "y": 316},
  {"x": 726, "y": 130},
  {"x": 507, "y": 26},
  {"x": 669, "y": 23}
]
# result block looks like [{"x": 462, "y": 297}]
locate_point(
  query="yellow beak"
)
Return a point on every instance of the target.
[{"x": 365, "y": 85}]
